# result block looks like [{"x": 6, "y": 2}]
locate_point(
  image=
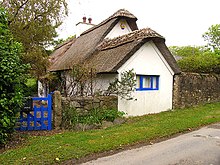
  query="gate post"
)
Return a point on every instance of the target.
[{"x": 57, "y": 110}]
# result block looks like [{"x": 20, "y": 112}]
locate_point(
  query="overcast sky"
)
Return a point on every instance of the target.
[{"x": 181, "y": 22}]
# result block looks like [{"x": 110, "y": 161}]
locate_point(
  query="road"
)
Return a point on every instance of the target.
[{"x": 201, "y": 147}]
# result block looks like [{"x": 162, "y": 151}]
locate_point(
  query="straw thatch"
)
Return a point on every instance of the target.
[
  {"x": 135, "y": 35},
  {"x": 86, "y": 44},
  {"x": 113, "y": 53},
  {"x": 107, "y": 55},
  {"x": 61, "y": 50}
]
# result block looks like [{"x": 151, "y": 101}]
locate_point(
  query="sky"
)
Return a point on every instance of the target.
[{"x": 181, "y": 22}]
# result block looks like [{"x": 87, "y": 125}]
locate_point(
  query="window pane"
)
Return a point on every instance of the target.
[
  {"x": 154, "y": 82},
  {"x": 137, "y": 82},
  {"x": 147, "y": 82}
]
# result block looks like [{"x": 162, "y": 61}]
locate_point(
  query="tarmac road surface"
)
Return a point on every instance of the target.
[{"x": 201, "y": 147}]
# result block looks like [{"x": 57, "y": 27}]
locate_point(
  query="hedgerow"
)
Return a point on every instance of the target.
[
  {"x": 203, "y": 63},
  {"x": 12, "y": 79}
]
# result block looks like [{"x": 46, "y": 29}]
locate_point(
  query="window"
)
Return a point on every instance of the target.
[{"x": 146, "y": 82}]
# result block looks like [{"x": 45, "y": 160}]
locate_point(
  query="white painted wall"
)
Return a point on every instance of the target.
[
  {"x": 42, "y": 89},
  {"x": 118, "y": 31},
  {"x": 100, "y": 83},
  {"x": 68, "y": 83},
  {"x": 149, "y": 61},
  {"x": 81, "y": 27}
]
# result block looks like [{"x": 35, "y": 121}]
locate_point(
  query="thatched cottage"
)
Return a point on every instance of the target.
[{"x": 116, "y": 45}]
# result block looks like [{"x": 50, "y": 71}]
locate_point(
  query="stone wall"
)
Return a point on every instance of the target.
[
  {"x": 57, "y": 110},
  {"x": 193, "y": 88},
  {"x": 87, "y": 103}
]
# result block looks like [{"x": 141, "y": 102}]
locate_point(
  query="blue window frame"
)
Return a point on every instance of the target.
[{"x": 147, "y": 82}]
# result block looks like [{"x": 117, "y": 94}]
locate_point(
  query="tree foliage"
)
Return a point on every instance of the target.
[
  {"x": 184, "y": 51},
  {"x": 34, "y": 24},
  {"x": 12, "y": 78},
  {"x": 197, "y": 59},
  {"x": 212, "y": 36},
  {"x": 203, "y": 63}
]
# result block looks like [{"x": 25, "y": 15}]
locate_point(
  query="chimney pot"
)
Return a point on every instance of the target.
[
  {"x": 84, "y": 19},
  {"x": 90, "y": 20}
]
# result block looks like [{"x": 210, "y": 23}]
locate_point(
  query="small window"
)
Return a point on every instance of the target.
[{"x": 146, "y": 82}]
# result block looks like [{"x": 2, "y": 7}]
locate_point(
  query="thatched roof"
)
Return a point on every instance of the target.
[
  {"x": 135, "y": 35},
  {"x": 61, "y": 50},
  {"x": 113, "y": 53},
  {"x": 107, "y": 55},
  {"x": 85, "y": 45}
]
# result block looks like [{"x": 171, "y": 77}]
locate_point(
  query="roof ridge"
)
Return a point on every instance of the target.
[
  {"x": 68, "y": 41},
  {"x": 132, "y": 36},
  {"x": 119, "y": 13}
]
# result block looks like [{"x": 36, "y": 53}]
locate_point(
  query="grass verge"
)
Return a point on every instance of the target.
[{"x": 74, "y": 145}]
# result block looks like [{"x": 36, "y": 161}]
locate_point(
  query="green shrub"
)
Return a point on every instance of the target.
[
  {"x": 12, "y": 79},
  {"x": 185, "y": 51},
  {"x": 95, "y": 116},
  {"x": 111, "y": 115},
  {"x": 205, "y": 63},
  {"x": 30, "y": 87}
]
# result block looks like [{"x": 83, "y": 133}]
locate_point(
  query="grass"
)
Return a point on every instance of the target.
[{"x": 75, "y": 145}]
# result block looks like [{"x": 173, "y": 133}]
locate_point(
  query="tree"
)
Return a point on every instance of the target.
[
  {"x": 123, "y": 87},
  {"x": 184, "y": 51},
  {"x": 12, "y": 78},
  {"x": 201, "y": 59},
  {"x": 198, "y": 59},
  {"x": 34, "y": 24},
  {"x": 212, "y": 36}
]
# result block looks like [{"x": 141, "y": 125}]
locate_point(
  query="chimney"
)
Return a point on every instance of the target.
[
  {"x": 84, "y": 19},
  {"x": 90, "y": 20},
  {"x": 83, "y": 26}
]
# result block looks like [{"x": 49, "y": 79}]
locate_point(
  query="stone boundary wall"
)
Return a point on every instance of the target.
[
  {"x": 87, "y": 103},
  {"x": 193, "y": 88},
  {"x": 81, "y": 104},
  {"x": 57, "y": 110}
]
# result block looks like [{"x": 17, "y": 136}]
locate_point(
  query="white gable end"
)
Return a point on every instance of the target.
[
  {"x": 119, "y": 29},
  {"x": 148, "y": 61}
]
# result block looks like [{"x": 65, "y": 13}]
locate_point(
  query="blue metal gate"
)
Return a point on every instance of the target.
[{"x": 38, "y": 117}]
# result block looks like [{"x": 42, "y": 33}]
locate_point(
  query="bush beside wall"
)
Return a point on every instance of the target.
[{"x": 82, "y": 113}]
